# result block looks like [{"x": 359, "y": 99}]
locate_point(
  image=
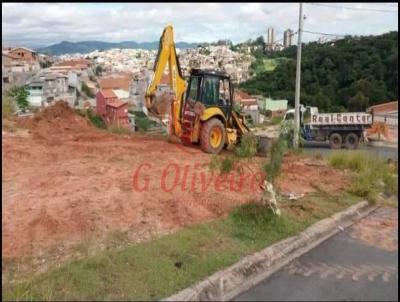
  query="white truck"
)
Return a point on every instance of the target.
[{"x": 340, "y": 129}]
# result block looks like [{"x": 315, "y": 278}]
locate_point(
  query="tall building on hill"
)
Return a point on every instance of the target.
[
  {"x": 270, "y": 38},
  {"x": 287, "y": 38}
]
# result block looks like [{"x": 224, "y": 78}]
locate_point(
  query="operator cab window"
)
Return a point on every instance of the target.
[
  {"x": 289, "y": 116},
  {"x": 192, "y": 93},
  {"x": 224, "y": 93},
  {"x": 210, "y": 91}
]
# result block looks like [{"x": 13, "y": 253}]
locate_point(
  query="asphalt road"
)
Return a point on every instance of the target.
[
  {"x": 324, "y": 150},
  {"x": 358, "y": 264}
]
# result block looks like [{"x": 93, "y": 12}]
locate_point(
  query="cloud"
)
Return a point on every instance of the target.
[{"x": 47, "y": 23}]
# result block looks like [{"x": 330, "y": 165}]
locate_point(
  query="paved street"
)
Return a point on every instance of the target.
[{"x": 360, "y": 263}]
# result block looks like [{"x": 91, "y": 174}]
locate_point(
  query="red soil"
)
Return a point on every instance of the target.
[{"x": 66, "y": 181}]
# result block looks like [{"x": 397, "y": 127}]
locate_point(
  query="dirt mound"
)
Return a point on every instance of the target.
[
  {"x": 58, "y": 119},
  {"x": 301, "y": 176}
]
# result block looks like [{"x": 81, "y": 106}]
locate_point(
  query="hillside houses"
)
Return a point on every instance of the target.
[{"x": 18, "y": 65}]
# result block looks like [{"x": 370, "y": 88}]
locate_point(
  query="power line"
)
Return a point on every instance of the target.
[
  {"x": 343, "y": 36},
  {"x": 355, "y": 8},
  {"x": 322, "y": 34},
  {"x": 291, "y": 35}
]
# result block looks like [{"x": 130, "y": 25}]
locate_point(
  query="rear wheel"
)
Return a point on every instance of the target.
[
  {"x": 335, "y": 141},
  {"x": 212, "y": 136},
  {"x": 351, "y": 141}
]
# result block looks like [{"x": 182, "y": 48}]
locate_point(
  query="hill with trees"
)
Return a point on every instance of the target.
[{"x": 349, "y": 74}]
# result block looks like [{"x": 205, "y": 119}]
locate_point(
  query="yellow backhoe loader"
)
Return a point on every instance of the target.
[{"x": 202, "y": 110}]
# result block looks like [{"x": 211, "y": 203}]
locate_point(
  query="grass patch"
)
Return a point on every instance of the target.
[
  {"x": 276, "y": 120},
  {"x": 156, "y": 269},
  {"x": 372, "y": 175},
  {"x": 95, "y": 119},
  {"x": 7, "y": 107},
  {"x": 118, "y": 130}
]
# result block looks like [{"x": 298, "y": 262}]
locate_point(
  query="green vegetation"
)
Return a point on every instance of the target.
[
  {"x": 156, "y": 269},
  {"x": 142, "y": 122},
  {"x": 274, "y": 165},
  {"x": 276, "y": 120},
  {"x": 351, "y": 74},
  {"x": 261, "y": 65},
  {"x": 247, "y": 147},
  {"x": 7, "y": 107},
  {"x": 20, "y": 96},
  {"x": 98, "y": 70},
  {"x": 371, "y": 175},
  {"x": 95, "y": 119}
]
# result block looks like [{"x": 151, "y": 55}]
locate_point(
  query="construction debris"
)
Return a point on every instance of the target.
[{"x": 269, "y": 197}]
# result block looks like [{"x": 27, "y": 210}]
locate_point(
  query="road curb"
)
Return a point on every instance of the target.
[
  {"x": 382, "y": 144},
  {"x": 228, "y": 283}
]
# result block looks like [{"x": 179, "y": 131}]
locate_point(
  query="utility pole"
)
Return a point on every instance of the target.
[{"x": 297, "y": 92}]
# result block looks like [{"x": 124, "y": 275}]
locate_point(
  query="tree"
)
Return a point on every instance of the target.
[
  {"x": 20, "y": 95},
  {"x": 359, "y": 102},
  {"x": 98, "y": 70},
  {"x": 332, "y": 74}
]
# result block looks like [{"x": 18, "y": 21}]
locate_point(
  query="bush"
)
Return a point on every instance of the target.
[
  {"x": 96, "y": 120},
  {"x": 372, "y": 175},
  {"x": 143, "y": 123},
  {"x": 222, "y": 164},
  {"x": 7, "y": 107},
  {"x": 273, "y": 167},
  {"x": 276, "y": 120},
  {"x": 247, "y": 146},
  {"x": 20, "y": 95},
  {"x": 287, "y": 133}
]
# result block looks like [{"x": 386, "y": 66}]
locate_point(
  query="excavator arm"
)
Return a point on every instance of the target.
[{"x": 167, "y": 55}]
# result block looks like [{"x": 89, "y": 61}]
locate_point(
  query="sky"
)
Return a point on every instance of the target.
[{"x": 41, "y": 24}]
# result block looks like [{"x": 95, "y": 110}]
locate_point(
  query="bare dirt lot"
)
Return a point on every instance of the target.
[{"x": 65, "y": 181}]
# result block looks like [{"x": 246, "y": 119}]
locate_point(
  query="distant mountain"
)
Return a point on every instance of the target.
[{"x": 66, "y": 47}]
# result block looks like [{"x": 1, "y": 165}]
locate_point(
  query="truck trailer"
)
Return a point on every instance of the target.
[{"x": 341, "y": 130}]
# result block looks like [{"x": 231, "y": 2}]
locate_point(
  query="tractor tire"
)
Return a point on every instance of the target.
[
  {"x": 212, "y": 137},
  {"x": 335, "y": 141},
  {"x": 351, "y": 141}
]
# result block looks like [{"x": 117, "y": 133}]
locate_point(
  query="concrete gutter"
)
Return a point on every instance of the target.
[{"x": 228, "y": 283}]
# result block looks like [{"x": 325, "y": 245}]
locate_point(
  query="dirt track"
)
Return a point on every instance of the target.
[{"x": 64, "y": 181}]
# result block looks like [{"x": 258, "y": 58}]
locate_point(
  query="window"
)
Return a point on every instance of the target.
[
  {"x": 210, "y": 91},
  {"x": 290, "y": 116},
  {"x": 224, "y": 93},
  {"x": 193, "y": 90}
]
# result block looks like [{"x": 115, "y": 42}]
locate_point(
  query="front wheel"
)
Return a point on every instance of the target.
[{"x": 212, "y": 138}]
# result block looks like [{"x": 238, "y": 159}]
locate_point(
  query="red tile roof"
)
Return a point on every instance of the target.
[
  {"x": 117, "y": 104},
  {"x": 108, "y": 93},
  {"x": 74, "y": 63},
  {"x": 115, "y": 83},
  {"x": 244, "y": 95}
]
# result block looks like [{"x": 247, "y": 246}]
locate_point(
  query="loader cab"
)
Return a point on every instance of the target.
[{"x": 212, "y": 89}]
